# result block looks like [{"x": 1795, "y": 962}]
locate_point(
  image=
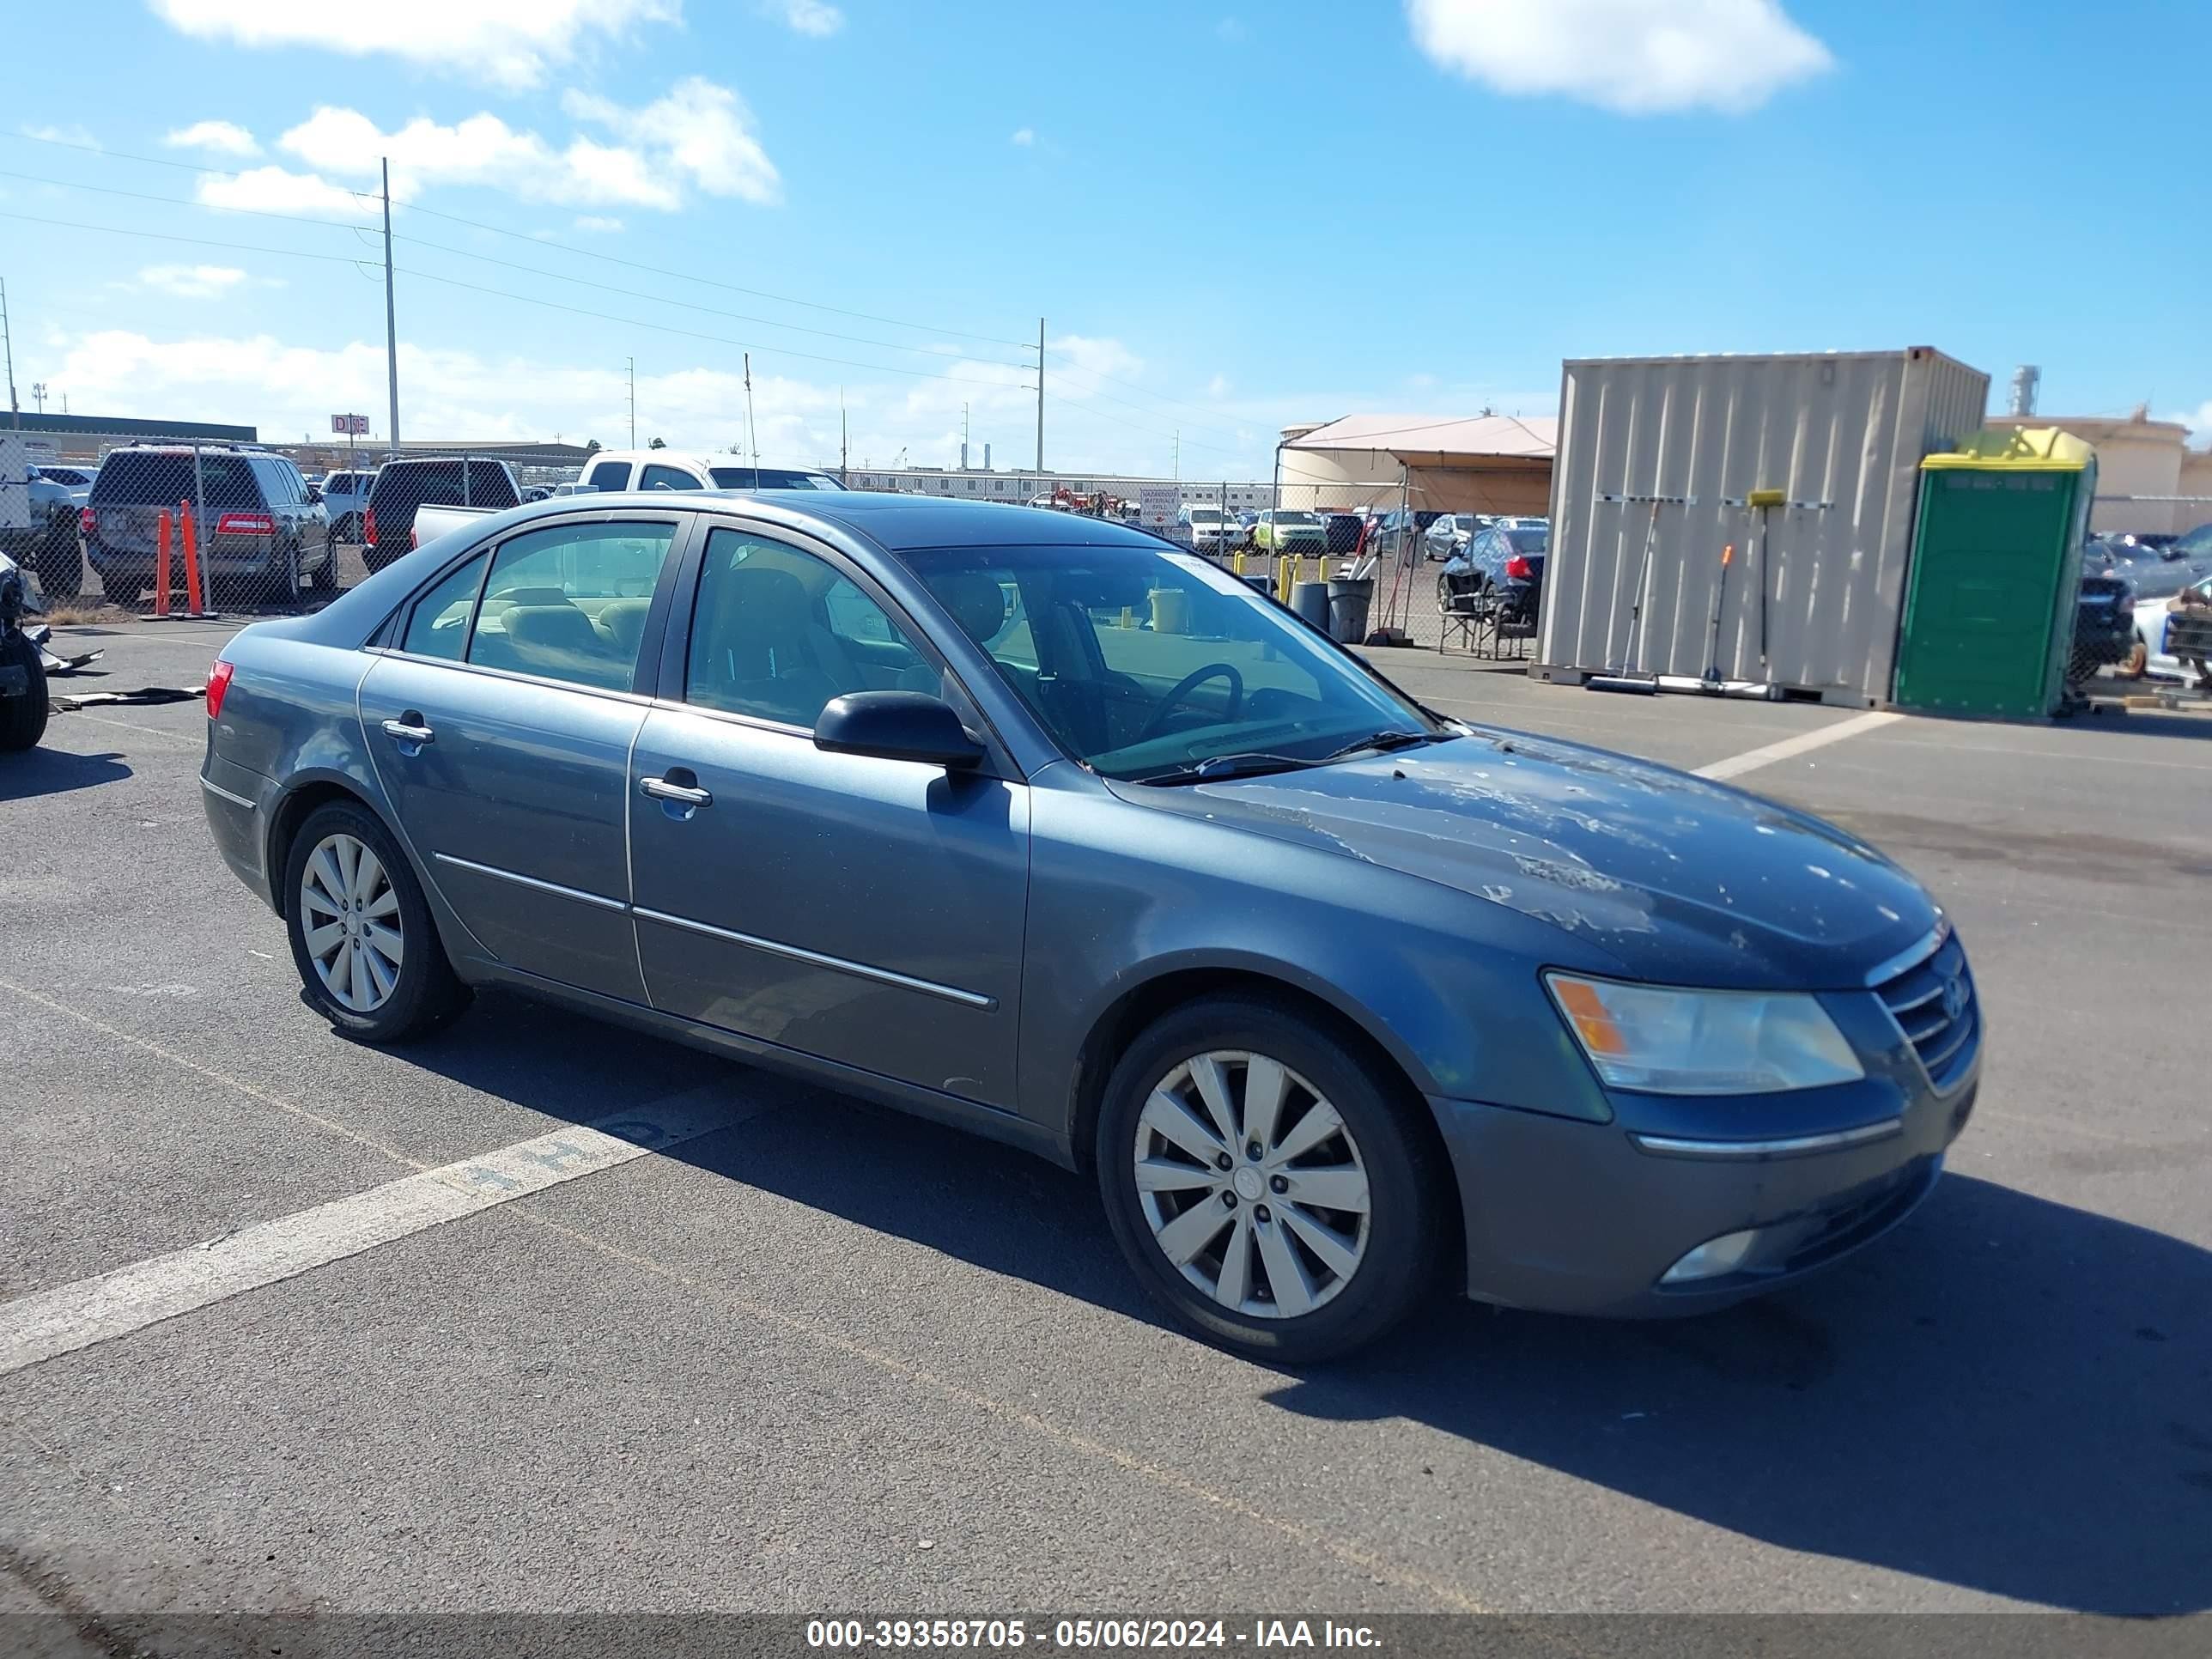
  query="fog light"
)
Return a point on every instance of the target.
[{"x": 1714, "y": 1259}]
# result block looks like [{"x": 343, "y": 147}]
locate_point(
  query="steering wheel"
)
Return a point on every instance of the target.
[{"x": 1189, "y": 682}]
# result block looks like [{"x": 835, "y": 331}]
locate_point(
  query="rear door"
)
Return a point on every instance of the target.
[
  {"x": 864, "y": 911},
  {"x": 501, "y": 721}
]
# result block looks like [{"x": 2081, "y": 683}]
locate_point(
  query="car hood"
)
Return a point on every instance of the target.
[{"x": 1678, "y": 879}]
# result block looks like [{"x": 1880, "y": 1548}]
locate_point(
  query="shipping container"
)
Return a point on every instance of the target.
[{"x": 1807, "y": 591}]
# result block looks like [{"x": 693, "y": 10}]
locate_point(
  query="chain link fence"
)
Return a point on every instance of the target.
[{"x": 183, "y": 526}]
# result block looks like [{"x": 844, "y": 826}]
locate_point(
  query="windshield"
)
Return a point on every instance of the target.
[
  {"x": 1144, "y": 663},
  {"x": 1296, "y": 518},
  {"x": 770, "y": 477}
]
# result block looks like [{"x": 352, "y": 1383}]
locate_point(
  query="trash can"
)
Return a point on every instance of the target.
[
  {"x": 1170, "y": 611},
  {"x": 1310, "y": 601},
  {"x": 1349, "y": 600},
  {"x": 1991, "y": 593}
]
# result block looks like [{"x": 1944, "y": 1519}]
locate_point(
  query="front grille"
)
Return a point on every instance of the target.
[{"x": 1934, "y": 1004}]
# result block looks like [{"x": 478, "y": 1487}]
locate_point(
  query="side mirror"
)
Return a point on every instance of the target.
[{"x": 909, "y": 725}]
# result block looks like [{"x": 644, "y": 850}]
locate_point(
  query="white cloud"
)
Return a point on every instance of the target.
[
  {"x": 695, "y": 136},
  {"x": 223, "y": 137},
  {"x": 598, "y": 224},
  {"x": 700, "y": 130},
  {"x": 1102, "y": 356},
  {"x": 809, "y": 16},
  {"x": 191, "y": 281},
  {"x": 1023, "y": 136},
  {"x": 71, "y": 134},
  {"x": 2197, "y": 420},
  {"x": 274, "y": 190},
  {"x": 1633, "y": 57},
  {"x": 509, "y": 43}
]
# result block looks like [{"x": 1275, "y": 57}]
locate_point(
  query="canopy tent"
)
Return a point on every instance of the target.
[{"x": 1499, "y": 464}]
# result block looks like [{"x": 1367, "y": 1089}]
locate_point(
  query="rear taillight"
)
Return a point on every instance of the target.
[
  {"x": 1516, "y": 568},
  {"x": 218, "y": 683},
  {"x": 245, "y": 524},
  {"x": 368, "y": 526},
  {"x": 86, "y": 520}
]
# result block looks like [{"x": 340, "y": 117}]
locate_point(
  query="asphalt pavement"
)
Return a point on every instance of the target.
[{"x": 821, "y": 1358}]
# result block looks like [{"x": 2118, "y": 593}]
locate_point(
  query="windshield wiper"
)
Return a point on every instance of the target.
[
  {"x": 1383, "y": 742},
  {"x": 1217, "y": 767}
]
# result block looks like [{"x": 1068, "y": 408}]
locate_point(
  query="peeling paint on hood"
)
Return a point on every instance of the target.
[{"x": 1682, "y": 880}]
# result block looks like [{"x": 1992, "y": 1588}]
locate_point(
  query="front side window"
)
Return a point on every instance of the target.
[
  {"x": 1155, "y": 667},
  {"x": 777, "y": 632},
  {"x": 569, "y": 603}
]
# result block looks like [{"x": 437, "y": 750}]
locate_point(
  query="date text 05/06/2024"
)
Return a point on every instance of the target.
[{"x": 1108, "y": 1635}]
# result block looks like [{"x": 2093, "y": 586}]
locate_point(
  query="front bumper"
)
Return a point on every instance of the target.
[{"x": 1573, "y": 1217}]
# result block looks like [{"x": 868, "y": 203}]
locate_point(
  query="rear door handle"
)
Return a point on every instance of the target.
[
  {"x": 662, "y": 789},
  {"x": 407, "y": 730}
]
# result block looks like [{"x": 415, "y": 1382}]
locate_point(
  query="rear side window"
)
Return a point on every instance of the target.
[
  {"x": 667, "y": 477},
  {"x": 569, "y": 603},
  {"x": 490, "y": 486},
  {"x": 439, "y": 624},
  {"x": 611, "y": 475}
]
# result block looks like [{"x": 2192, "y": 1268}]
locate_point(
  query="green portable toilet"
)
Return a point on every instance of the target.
[{"x": 1996, "y": 574}]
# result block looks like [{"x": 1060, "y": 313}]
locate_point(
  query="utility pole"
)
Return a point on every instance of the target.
[
  {"x": 844, "y": 442},
  {"x": 391, "y": 322},
  {"x": 14, "y": 409},
  {"x": 38, "y": 395},
  {"x": 964, "y": 437},
  {"x": 1039, "y": 399},
  {"x": 752, "y": 442},
  {"x": 1178, "y": 455},
  {"x": 631, "y": 363}
]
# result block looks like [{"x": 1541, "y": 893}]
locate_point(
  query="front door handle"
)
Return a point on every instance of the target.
[
  {"x": 682, "y": 794},
  {"x": 408, "y": 728}
]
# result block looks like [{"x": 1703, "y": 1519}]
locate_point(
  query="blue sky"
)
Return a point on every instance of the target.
[{"x": 1231, "y": 218}]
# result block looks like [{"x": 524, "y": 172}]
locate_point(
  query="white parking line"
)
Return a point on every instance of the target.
[
  {"x": 67, "y": 1318},
  {"x": 1752, "y": 759}
]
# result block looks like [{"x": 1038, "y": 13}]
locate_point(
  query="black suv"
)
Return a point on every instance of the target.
[
  {"x": 388, "y": 524},
  {"x": 260, "y": 528}
]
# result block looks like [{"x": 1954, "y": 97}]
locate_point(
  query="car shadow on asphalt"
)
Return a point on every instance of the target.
[
  {"x": 43, "y": 771},
  {"x": 2007, "y": 1395}
]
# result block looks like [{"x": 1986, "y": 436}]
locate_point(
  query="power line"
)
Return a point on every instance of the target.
[{"x": 501, "y": 230}]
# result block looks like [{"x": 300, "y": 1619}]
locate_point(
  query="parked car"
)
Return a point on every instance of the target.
[
  {"x": 23, "y": 706},
  {"x": 345, "y": 499},
  {"x": 1506, "y": 565},
  {"x": 1340, "y": 532},
  {"x": 77, "y": 478},
  {"x": 1333, "y": 995},
  {"x": 2104, "y": 625},
  {"x": 47, "y": 546},
  {"x": 387, "y": 522},
  {"x": 2156, "y": 599},
  {"x": 261, "y": 533},
  {"x": 1286, "y": 530},
  {"x": 664, "y": 468},
  {"x": 1448, "y": 535},
  {"x": 1211, "y": 529}
]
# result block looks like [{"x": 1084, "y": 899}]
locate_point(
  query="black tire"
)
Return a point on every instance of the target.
[
  {"x": 22, "y": 719},
  {"x": 1405, "y": 1180},
  {"x": 326, "y": 579},
  {"x": 427, "y": 994}
]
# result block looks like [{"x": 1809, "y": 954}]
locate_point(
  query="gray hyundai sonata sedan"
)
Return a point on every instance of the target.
[{"x": 1039, "y": 827}]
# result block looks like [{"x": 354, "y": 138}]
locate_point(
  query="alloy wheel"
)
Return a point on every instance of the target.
[
  {"x": 349, "y": 919},
  {"x": 1253, "y": 1186}
]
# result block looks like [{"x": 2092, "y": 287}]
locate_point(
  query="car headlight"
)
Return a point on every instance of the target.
[{"x": 1663, "y": 1040}]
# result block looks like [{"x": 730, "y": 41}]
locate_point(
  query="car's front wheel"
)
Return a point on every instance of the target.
[
  {"x": 1268, "y": 1188},
  {"x": 362, "y": 938}
]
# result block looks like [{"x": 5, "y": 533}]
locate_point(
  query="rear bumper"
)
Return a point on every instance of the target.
[
  {"x": 1572, "y": 1217},
  {"x": 237, "y": 801}
]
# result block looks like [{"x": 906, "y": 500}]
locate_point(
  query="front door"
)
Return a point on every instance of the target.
[
  {"x": 501, "y": 728},
  {"x": 865, "y": 911}
]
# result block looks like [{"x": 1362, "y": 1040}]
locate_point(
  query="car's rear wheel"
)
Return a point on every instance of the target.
[
  {"x": 362, "y": 938},
  {"x": 22, "y": 719},
  {"x": 2133, "y": 665},
  {"x": 1268, "y": 1188}
]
